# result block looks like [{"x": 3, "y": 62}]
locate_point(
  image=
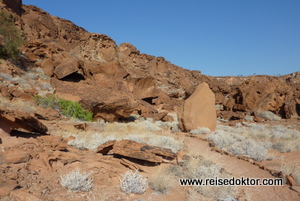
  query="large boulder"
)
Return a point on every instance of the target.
[
  {"x": 199, "y": 110},
  {"x": 14, "y": 119}
]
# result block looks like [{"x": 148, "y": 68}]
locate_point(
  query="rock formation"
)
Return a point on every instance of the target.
[
  {"x": 146, "y": 85},
  {"x": 199, "y": 110}
]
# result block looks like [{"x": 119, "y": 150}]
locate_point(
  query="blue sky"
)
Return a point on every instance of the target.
[{"x": 217, "y": 37}]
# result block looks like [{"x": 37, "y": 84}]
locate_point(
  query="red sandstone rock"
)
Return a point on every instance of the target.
[
  {"x": 5, "y": 188},
  {"x": 22, "y": 194},
  {"x": 136, "y": 150},
  {"x": 14, "y": 156},
  {"x": 47, "y": 114},
  {"x": 290, "y": 180},
  {"x": 14, "y": 5},
  {"x": 17, "y": 119},
  {"x": 199, "y": 110}
]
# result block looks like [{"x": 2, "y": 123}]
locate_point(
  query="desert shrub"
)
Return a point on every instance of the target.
[
  {"x": 159, "y": 141},
  {"x": 239, "y": 145},
  {"x": 75, "y": 110},
  {"x": 76, "y": 181},
  {"x": 253, "y": 140},
  {"x": 248, "y": 118},
  {"x": 269, "y": 115},
  {"x": 68, "y": 108},
  {"x": 283, "y": 133},
  {"x": 161, "y": 181},
  {"x": 79, "y": 143},
  {"x": 132, "y": 182},
  {"x": 286, "y": 146},
  {"x": 200, "y": 130},
  {"x": 92, "y": 144},
  {"x": 11, "y": 37},
  {"x": 47, "y": 101},
  {"x": 195, "y": 167},
  {"x": 252, "y": 149},
  {"x": 292, "y": 168}
]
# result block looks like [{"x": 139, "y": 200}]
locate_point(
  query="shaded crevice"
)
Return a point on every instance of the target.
[
  {"x": 73, "y": 77},
  {"x": 298, "y": 109},
  {"x": 150, "y": 100},
  {"x": 17, "y": 133}
]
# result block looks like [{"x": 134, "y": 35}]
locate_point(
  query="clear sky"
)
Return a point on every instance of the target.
[{"x": 217, "y": 37}]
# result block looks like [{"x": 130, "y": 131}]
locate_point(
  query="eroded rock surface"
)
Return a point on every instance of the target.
[
  {"x": 199, "y": 110},
  {"x": 136, "y": 150}
]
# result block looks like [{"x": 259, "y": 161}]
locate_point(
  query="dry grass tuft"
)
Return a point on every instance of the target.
[
  {"x": 254, "y": 140},
  {"x": 292, "y": 168},
  {"x": 200, "y": 130},
  {"x": 119, "y": 131},
  {"x": 162, "y": 181},
  {"x": 196, "y": 167},
  {"x": 269, "y": 115}
]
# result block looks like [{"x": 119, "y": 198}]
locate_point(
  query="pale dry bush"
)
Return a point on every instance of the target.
[
  {"x": 132, "y": 182},
  {"x": 196, "y": 167},
  {"x": 254, "y": 140},
  {"x": 238, "y": 145},
  {"x": 96, "y": 140},
  {"x": 286, "y": 146},
  {"x": 269, "y": 115},
  {"x": 33, "y": 78},
  {"x": 248, "y": 118},
  {"x": 292, "y": 168},
  {"x": 200, "y": 130},
  {"x": 77, "y": 181},
  {"x": 162, "y": 181},
  {"x": 120, "y": 131}
]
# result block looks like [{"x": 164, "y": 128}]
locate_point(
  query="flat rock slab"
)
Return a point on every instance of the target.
[
  {"x": 14, "y": 156},
  {"x": 6, "y": 188},
  {"x": 136, "y": 150}
]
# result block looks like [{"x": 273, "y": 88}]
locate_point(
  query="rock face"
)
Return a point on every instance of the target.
[
  {"x": 14, "y": 5},
  {"x": 247, "y": 95},
  {"x": 199, "y": 110},
  {"x": 150, "y": 85},
  {"x": 13, "y": 119},
  {"x": 94, "y": 62}
]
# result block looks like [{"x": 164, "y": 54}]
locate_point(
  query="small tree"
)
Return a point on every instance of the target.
[{"x": 10, "y": 37}]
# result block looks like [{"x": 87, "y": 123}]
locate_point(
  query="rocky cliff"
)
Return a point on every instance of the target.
[{"x": 115, "y": 81}]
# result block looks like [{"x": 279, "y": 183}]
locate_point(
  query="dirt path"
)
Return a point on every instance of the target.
[{"x": 240, "y": 168}]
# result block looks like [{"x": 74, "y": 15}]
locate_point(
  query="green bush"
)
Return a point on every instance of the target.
[
  {"x": 75, "y": 110},
  {"x": 10, "y": 37},
  {"x": 68, "y": 108}
]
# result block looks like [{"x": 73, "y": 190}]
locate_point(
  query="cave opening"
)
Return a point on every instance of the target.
[
  {"x": 73, "y": 77},
  {"x": 149, "y": 100}
]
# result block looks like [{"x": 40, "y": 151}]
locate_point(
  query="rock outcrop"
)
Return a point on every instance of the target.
[
  {"x": 151, "y": 85},
  {"x": 199, "y": 110},
  {"x": 14, "y": 119},
  {"x": 14, "y": 5},
  {"x": 135, "y": 150},
  {"x": 248, "y": 95}
]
